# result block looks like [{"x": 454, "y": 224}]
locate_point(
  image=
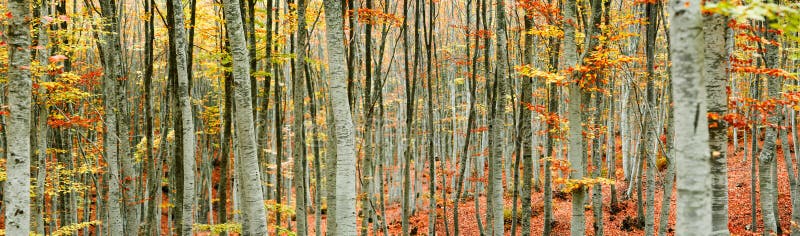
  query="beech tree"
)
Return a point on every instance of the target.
[
  {"x": 16, "y": 194},
  {"x": 400, "y": 117},
  {"x": 691, "y": 134}
]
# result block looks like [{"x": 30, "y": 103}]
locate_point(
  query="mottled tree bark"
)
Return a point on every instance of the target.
[
  {"x": 253, "y": 212},
  {"x": 716, "y": 55},
  {"x": 691, "y": 132},
  {"x": 16, "y": 188},
  {"x": 345, "y": 144}
]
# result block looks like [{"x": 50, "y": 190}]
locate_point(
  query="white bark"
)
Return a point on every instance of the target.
[
  {"x": 691, "y": 128},
  {"x": 345, "y": 149},
  {"x": 187, "y": 124},
  {"x": 497, "y": 126},
  {"x": 575, "y": 154},
  {"x": 253, "y": 212},
  {"x": 111, "y": 70},
  {"x": 714, "y": 29},
  {"x": 16, "y": 189}
]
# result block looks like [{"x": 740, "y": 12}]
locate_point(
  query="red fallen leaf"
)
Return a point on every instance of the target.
[
  {"x": 9, "y": 15},
  {"x": 56, "y": 58}
]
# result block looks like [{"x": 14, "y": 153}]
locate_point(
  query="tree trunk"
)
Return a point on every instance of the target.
[
  {"x": 345, "y": 149},
  {"x": 42, "y": 128},
  {"x": 577, "y": 226},
  {"x": 186, "y": 171},
  {"x": 410, "y": 85},
  {"x": 16, "y": 189},
  {"x": 716, "y": 55},
  {"x": 497, "y": 125},
  {"x": 254, "y": 222},
  {"x": 524, "y": 132},
  {"x": 299, "y": 143},
  {"x": 649, "y": 116},
  {"x": 691, "y": 133},
  {"x": 111, "y": 68}
]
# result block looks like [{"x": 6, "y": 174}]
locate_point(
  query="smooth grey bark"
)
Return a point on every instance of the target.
[
  {"x": 16, "y": 189},
  {"x": 330, "y": 175},
  {"x": 41, "y": 127},
  {"x": 525, "y": 129},
  {"x": 345, "y": 144},
  {"x": 429, "y": 119},
  {"x": 299, "y": 143},
  {"x": 766, "y": 158},
  {"x": 111, "y": 71},
  {"x": 649, "y": 115},
  {"x": 499, "y": 110},
  {"x": 716, "y": 55},
  {"x": 410, "y": 86},
  {"x": 186, "y": 206},
  {"x": 691, "y": 132},
  {"x": 154, "y": 172},
  {"x": 253, "y": 212},
  {"x": 575, "y": 136}
]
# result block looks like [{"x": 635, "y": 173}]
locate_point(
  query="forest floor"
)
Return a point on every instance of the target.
[{"x": 613, "y": 224}]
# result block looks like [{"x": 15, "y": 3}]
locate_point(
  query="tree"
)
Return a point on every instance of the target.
[
  {"x": 253, "y": 212},
  {"x": 345, "y": 144},
  {"x": 716, "y": 55},
  {"x": 497, "y": 124},
  {"x": 691, "y": 134},
  {"x": 577, "y": 226},
  {"x": 112, "y": 65},
  {"x": 16, "y": 194},
  {"x": 766, "y": 158},
  {"x": 299, "y": 143},
  {"x": 187, "y": 164}
]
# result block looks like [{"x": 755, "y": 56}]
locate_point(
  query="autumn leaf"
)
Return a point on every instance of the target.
[{"x": 57, "y": 58}]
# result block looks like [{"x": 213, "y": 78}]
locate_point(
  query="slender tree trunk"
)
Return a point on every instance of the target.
[
  {"x": 714, "y": 30},
  {"x": 42, "y": 128},
  {"x": 649, "y": 116},
  {"x": 767, "y": 155},
  {"x": 407, "y": 152},
  {"x": 497, "y": 124},
  {"x": 253, "y": 213},
  {"x": 112, "y": 66},
  {"x": 153, "y": 221},
  {"x": 577, "y": 226},
  {"x": 429, "y": 119},
  {"x": 225, "y": 147},
  {"x": 345, "y": 149},
  {"x": 691, "y": 133},
  {"x": 299, "y": 143},
  {"x": 16, "y": 188},
  {"x": 186, "y": 171},
  {"x": 525, "y": 129}
]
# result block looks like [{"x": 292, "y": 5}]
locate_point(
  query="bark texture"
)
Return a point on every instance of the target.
[
  {"x": 253, "y": 213},
  {"x": 691, "y": 129},
  {"x": 16, "y": 194},
  {"x": 345, "y": 141}
]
